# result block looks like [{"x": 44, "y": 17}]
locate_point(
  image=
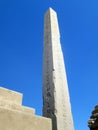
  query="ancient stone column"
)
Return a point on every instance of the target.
[
  {"x": 56, "y": 100},
  {"x": 93, "y": 121}
]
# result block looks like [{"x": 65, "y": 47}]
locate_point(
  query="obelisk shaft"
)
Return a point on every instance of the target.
[{"x": 56, "y": 101}]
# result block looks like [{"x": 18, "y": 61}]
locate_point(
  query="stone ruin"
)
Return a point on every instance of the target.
[
  {"x": 93, "y": 121},
  {"x": 15, "y": 116}
]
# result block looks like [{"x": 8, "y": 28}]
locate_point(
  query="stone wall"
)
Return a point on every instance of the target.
[{"x": 14, "y": 116}]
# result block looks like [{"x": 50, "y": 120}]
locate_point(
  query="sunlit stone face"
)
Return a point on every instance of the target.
[{"x": 56, "y": 101}]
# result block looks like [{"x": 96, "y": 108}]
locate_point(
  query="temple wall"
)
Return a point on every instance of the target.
[{"x": 14, "y": 116}]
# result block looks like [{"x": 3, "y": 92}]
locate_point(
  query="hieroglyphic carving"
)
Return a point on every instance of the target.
[{"x": 56, "y": 96}]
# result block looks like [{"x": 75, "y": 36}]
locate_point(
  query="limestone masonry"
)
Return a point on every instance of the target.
[
  {"x": 14, "y": 116},
  {"x": 56, "y": 101}
]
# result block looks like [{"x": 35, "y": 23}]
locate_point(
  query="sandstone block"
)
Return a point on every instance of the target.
[{"x": 10, "y": 96}]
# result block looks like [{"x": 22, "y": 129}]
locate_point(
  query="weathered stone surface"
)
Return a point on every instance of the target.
[
  {"x": 56, "y": 101},
  {"x": 11, "y": 106},
  {"x": 14, "y": 116},
  {"x": 93, "y": 121},
  {"x": 10, "y": 96},
  {"x": 14, "y": 120}
]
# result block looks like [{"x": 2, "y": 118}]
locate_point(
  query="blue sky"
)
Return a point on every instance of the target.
[{"x": 21, "y": 51}]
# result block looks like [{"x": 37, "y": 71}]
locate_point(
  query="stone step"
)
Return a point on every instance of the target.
[
  {"x": 10, "y": 96},
  {"x": 15, "y": 120},
  {"x": 11, "y": 106}
]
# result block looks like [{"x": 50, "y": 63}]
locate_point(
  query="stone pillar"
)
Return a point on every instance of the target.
[
  {"x": 56, "y": 100},
  {"x": 93, "y": 121}
]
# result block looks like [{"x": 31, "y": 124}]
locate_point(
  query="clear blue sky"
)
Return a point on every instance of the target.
[{"x": 21, "y": 50}]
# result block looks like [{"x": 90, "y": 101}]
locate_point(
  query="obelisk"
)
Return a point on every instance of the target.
[{"x": 56, "y": 100}]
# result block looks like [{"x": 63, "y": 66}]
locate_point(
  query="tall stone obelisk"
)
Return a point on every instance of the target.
[{"x": 56, "y": 101}]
